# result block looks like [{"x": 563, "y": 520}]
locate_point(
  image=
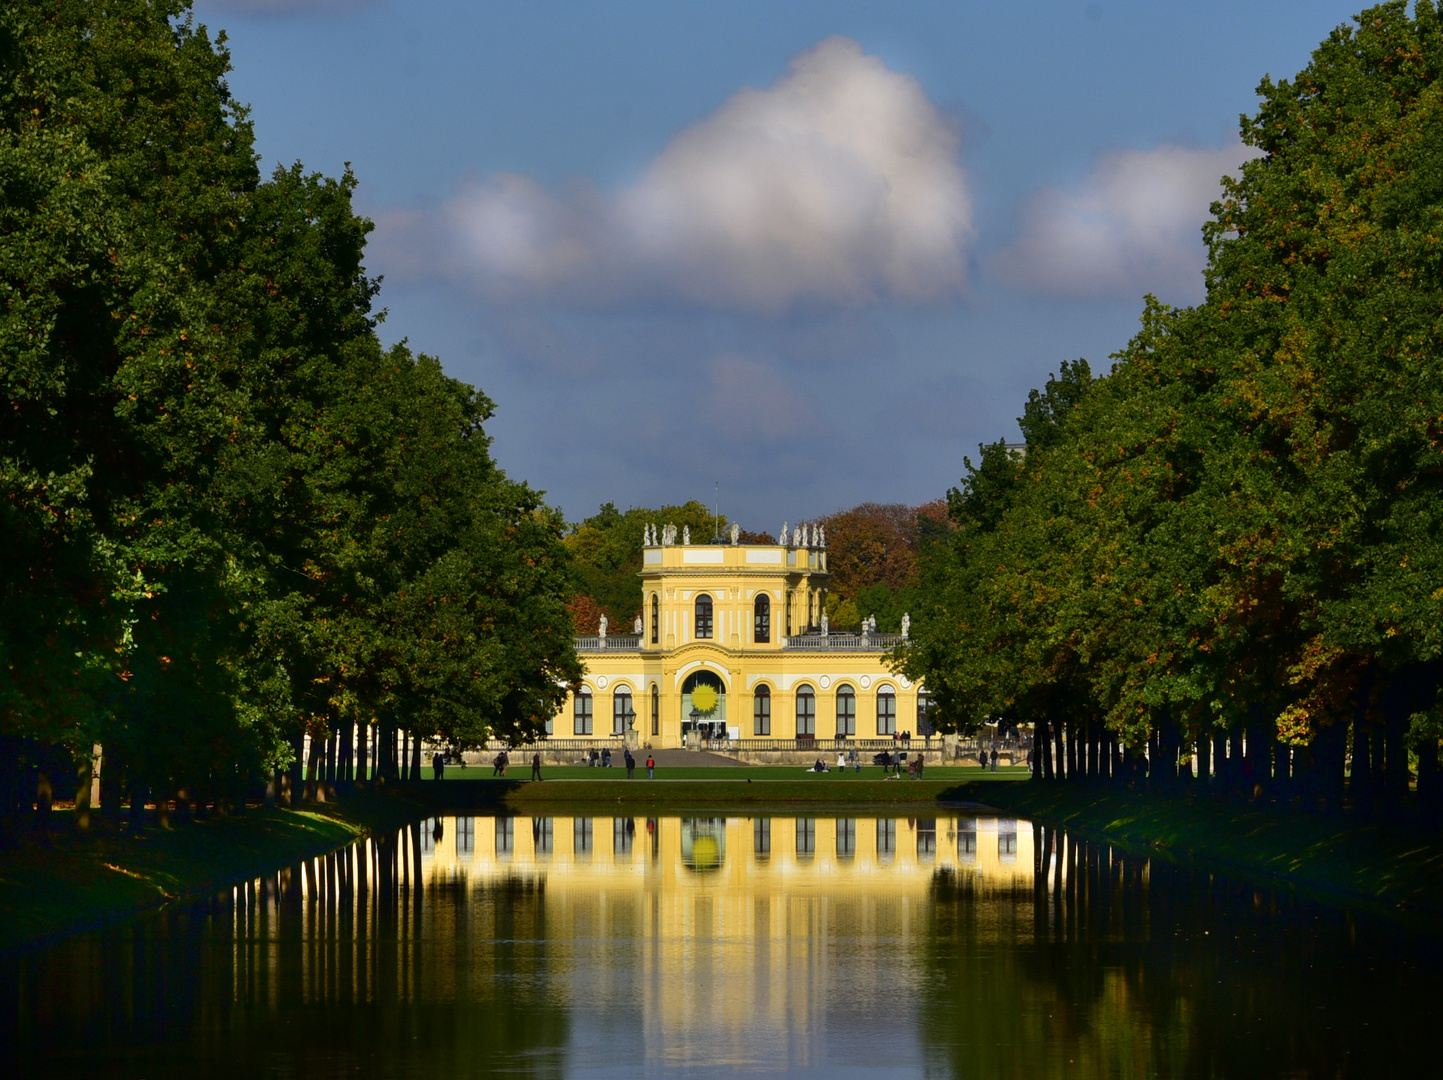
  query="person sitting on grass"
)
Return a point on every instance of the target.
[{"x": 819, "y": 766}]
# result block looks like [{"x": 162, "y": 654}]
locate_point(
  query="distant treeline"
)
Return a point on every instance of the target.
[
  {"x": 230, "y": 517},
  {"x": 1233, "y": 541}
]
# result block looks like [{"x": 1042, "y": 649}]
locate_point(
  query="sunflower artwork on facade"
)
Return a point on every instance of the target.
[{"x": 704, "y": 699}]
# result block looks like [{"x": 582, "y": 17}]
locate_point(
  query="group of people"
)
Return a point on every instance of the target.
[
  {"x": 984, "y": 760},
  {"x": 602, "y": 759},
  {"x": 891, "y": 764}
]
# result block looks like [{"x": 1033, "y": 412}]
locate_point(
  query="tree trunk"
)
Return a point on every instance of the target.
[
  {"x": 363, "y": 729},
  {"x": 344, "y": 775},
  {"x": 1330, "y": 744},
  {"x": 1398, "y": 706},
  {"x": 298, "y": 765},
  {"x": 1072, "y": 741},
  {"x": 137, "y": 806},
  {"x": 313, "y": 768},
  {"x": 1042, "y": 746},
  {"x": 84, "y": 777},
  {"x": 44, "y": 799},
  {"x": 1282, "y": 768},
  {"x": 415, "y": 756},
  {"x": 1429, "y": 799},
  {"x": 1360, "y": 786}
]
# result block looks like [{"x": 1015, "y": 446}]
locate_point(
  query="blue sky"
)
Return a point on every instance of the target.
[{"x": 815, "y": 252}]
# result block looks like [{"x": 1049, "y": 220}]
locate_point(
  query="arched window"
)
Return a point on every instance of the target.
[
  {"x": 762, "y": 711},
  {"x": 703, "y": 616},
  {"x": 924, "y": 710},
  {"x": 655, "y": 619},
  {"x": 621, "y": 710},
  {"x": 762, "y": 618},
  {"x": 846, "y": 711},
  {"x": 886, "y": 711},
  {"x": 806, "y": 713},
  {"x": 655, "y": 710},
  {"x": 581, "y": 712}
]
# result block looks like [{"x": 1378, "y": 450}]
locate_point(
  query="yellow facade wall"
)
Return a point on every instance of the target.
[{"x": 733, "y": 577}]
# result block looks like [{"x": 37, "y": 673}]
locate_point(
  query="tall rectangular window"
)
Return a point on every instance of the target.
[
  {"x": 762, "y": 712},
  {"x": 806, "y": 713},
  {"x": 886, "y": 712},
  {"x": 655, "y": 710},
  {"x": 581, "y": 713},
  {"x": 846, "y": 711},
  {"x": 621, "y": 711}
]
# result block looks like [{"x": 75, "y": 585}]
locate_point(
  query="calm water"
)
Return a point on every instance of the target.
[{"x": 580, "y": 947}]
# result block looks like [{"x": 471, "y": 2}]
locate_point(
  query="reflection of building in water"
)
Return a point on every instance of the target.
[{"x": 733, "y": 920}]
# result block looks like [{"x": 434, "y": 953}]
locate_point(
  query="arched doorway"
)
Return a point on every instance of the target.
[{"x": 704, "y": 705}]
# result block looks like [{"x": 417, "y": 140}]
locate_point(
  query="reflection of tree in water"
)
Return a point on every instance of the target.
[
  {"x": 1115, "y": 965},
  {"x": 286, "y": 976}
]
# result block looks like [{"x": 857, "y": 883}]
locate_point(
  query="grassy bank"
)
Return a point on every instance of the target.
[
  {"x": 1390, "y": 868},
  {"x": 62, "y": 881}
]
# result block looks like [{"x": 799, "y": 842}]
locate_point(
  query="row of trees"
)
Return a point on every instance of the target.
[
  {"x": 1233, "y": 541},
  {"x": 230, "y": 517}
]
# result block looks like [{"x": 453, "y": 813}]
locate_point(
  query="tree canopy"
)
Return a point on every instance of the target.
[
  {"x": 1237, "y": 528},
  {"x": 230, "y": 516}
]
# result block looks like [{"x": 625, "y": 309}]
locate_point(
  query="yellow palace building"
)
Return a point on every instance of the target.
[{"x": 733, "y": 651}]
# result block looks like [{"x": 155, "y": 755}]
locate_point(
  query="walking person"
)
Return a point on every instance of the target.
[
  {"x": 650, "y": 766},
  {"x": 994, "y": 759},
  {"x": 630, "y": 764},
  {"x": 841, "y": 763},
  {"x": 438, "y": 765},
  {"x": 536, "y": 766},
  {"x": 982, "y": 759}
]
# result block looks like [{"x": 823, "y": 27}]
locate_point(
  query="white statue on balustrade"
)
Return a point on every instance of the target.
[
  {"x": 782, "y": 537},
  {"x": 906, "y": 625},
  {"x": 636, "y": 626},
  {"x": 601, "y": 628},
  {"x": 736, "y": 534}
]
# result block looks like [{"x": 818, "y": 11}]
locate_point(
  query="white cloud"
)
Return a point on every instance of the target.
[
  {"x": 837, "y": 185},
  {"x": 1134, "y": 226}
]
